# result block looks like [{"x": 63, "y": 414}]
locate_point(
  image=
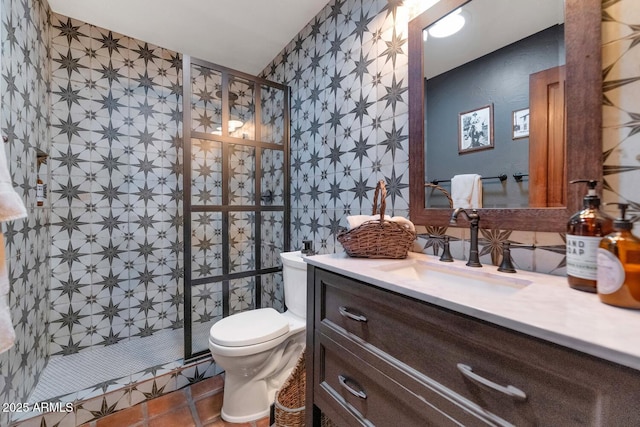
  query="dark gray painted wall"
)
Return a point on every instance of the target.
[{"x": 502, "y": 79}]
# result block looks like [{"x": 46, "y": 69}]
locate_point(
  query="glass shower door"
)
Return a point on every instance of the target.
[{"x": 236, "y": 213}]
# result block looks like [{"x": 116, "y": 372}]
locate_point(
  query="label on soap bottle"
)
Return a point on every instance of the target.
[
  {"x": 39, "y": 194},
  {"x": 582, "y": 254},
  {"x": 610, "y": 272}
]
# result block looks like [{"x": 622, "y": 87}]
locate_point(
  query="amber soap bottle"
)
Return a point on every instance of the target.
[
  {"x": 39, "y": 192},
  {"x": 585, "y": 230},
  {"x": 619, "y": 265}
]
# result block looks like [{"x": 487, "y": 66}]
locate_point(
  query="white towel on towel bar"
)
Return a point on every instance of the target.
[
  {"x": 11, "y": 208},
  {"x": 466, "y": 191}
]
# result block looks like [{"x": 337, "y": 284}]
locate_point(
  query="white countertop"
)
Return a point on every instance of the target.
[{"x": 539, "y": 305}]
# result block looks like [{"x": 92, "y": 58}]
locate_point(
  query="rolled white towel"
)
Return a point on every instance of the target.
[
  {"x": 404, "y": 221},
  {"x": 356, "y": 220}
]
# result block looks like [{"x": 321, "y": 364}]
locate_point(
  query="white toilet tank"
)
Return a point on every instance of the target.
[{"x": 294, "y": 272}]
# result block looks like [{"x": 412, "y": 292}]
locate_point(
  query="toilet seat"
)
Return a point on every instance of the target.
[{"x": 249, "y": 328}]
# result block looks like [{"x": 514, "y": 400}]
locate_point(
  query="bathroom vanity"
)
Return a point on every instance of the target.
[{"x": 416, "y": 342}]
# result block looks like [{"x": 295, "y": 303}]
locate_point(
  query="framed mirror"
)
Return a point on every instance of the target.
[{"x": 547, "y": 202}]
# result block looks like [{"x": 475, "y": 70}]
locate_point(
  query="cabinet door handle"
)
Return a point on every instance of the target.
[
  {"x": 358, "y": 393},
  {"x": 357, "y": 317},
  {"x": 509, "y": 390}
]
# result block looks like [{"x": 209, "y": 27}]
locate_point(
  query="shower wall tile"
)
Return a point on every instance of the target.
[
  {"x": 206, "y": 245},
  {"x": 271, "y": 107},
  {"x": 206, "y": 309},
  {"x": 349, "y": 122},
  {"x": 242, "y": 294},
  {"x": 116, "y": 186},
  {"x": 272, "y": 172},
  {"x": 272, "y": 239},
  {"x": 242, "y": 241},
  {"x": 272, "y": 291},
  {"x": 348, "y": 115},
  {"x": 206, "y": 172},
  {"x": 25, "y": 110}
]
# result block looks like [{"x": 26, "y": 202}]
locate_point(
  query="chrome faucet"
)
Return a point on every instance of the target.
[{"x": 474, "y": 220}]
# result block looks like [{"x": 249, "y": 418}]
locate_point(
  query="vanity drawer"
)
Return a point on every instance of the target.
[
  {"x": 361, "y": 395},
  {"x": 474, "y": 360}
]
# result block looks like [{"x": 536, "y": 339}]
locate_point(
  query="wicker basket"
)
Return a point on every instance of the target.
[
  {"x": 378, "y": 238},
  {"x": 290, "y": 398},
  {"x": 326, "y": 421}
]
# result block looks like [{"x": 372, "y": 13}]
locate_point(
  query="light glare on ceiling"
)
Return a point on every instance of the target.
[{"x": 448, "y": 25}]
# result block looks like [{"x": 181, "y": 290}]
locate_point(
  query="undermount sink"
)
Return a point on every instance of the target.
[{"x": 464, "y": 279}]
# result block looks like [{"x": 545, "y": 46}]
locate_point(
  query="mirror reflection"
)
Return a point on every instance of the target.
[{"x": 494, "y": 106}]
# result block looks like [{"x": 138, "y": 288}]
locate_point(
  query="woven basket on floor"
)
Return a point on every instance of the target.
[
  {"x": 289, "y": 403},
  {"x": 378, "y": 238},
  {"x": 326, "y": 421}
]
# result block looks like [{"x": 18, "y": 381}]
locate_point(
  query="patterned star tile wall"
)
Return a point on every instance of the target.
[
  {"x": 349, "y": 126},
  {"x": 348, "y": 75},
  {"x": 621, "y": 109},
  {"x": 116, "y": 189},
  {"x": 24, "y": 117}
]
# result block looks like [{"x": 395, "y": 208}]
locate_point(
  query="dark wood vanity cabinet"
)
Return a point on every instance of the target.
[{"x": 375, "y": 357}]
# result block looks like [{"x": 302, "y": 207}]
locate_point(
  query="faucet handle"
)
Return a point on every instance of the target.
[
  {"x": 506, "y": 266},
  {"x": 446, "y": 254}
]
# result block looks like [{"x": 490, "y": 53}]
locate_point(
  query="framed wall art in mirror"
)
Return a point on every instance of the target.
[
  {"x": 579, "y": 77},
  {"x": 475, "y": 129},
  {"x": 520, "y": 124}
]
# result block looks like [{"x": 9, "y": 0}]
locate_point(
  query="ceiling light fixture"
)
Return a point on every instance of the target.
[
  {"x": 232, "y": 124},
  {"x": 449, "y": 25}
]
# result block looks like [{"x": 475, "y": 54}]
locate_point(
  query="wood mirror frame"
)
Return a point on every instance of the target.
[{"x": 583, "y": 126}]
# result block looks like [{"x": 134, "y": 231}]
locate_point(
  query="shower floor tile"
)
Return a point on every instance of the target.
[{"x": 104, "y": 368}]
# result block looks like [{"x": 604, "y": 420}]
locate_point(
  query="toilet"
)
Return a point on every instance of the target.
[{"x": 259, "y": 348}]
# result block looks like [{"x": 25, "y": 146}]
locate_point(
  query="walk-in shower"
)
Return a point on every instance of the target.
[{"x": 168, "y": 207}]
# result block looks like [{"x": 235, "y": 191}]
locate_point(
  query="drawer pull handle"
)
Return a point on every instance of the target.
[
  {"x": 509, "y": 390},
  {"x": 345, "y": 313},
  {"x": 358, "y": 393}
]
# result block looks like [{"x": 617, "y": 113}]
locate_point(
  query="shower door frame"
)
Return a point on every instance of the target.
[{"x": 257, "y": 208}]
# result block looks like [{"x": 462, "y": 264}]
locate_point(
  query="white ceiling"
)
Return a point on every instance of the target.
[
  {"x": 244, "y": 35},
  {"x": 490, "y": 25}
]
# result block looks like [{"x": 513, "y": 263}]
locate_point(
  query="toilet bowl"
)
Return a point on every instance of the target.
[{"x": 259, "y": 348}]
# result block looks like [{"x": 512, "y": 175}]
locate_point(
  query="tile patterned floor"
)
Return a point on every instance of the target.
[{"x": 195, "y": 406}]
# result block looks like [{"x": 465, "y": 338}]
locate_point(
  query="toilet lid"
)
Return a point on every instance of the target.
[{"x": 249, "y": 327}]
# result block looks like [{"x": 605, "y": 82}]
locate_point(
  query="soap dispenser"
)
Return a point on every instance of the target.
[
  {"x": 39, "y": 192},
  {"x": 585, "y": 229},
  {"x": 307, "y": 248},
  {"x": 619, "y": 264}
]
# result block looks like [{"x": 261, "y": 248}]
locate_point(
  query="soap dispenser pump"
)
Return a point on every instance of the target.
[
  {"x": 585, "y": 229},
  {"x": 307, "y": 248},
  {"x": 619, "y": 264}
]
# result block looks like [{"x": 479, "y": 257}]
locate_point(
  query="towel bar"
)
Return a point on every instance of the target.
[{"x": 501, "y": 177}]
